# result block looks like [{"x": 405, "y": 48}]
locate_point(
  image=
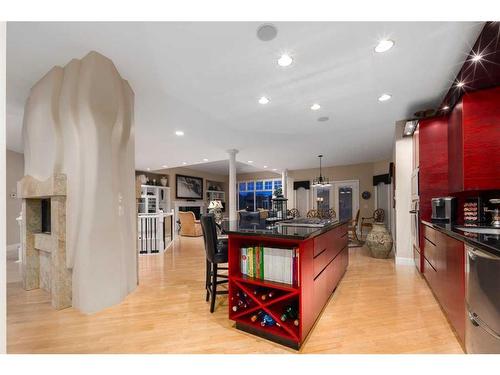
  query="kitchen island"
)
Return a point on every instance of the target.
[{"x": 283, "y": 310}]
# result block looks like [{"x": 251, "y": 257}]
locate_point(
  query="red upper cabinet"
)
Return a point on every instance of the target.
[
  {"x": 433, "y": 162},
  {"x": 474, "y": 141}
]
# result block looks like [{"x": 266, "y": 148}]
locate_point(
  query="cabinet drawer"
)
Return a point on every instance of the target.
[
  {"x": 430, "y": 234},
  {"x": 321, "y": 260},
  {"x": 431, "y": 253}
]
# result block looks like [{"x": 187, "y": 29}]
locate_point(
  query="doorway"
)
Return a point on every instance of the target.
[{"x": 346, "y": 199}]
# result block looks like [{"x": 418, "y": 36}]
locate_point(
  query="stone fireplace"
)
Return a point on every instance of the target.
[{"x": 43, "y": 235}]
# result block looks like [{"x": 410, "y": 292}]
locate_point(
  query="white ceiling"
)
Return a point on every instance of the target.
[{"x": 205, "y": 79}]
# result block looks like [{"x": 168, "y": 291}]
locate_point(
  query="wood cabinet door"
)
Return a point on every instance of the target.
[{"x": 481, "y": 139}]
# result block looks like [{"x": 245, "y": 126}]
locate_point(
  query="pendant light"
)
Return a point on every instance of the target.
[{"x": 321, "y": 181}]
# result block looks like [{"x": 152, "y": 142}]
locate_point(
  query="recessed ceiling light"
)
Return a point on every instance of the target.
[
  {"x": 250, "y": 161},
  {"x": 148, "y": 169},
  {"x": 315, "y": 107},
  {"x": 274, "y": 169},
  {"x": 476, "y": 57},
  {"x": 164, "y": 166},
  {"x": 384, "y": 97},
  {"x": 263, "y": 100},
  {"x": 445, "y": 108},
  {"x": 267, "y": 32},
  {"x": 384, "y": 45},
  {"x": 179, "y": 133},
  {"x": 460, "y": 84},
  {"x": 323, "y": 118},
  {"x": 205, "y": 159},
  {"x": 285, "y": 60},
  {"x": 265, "y": 166},
  {"x": 184, "y": 163}
]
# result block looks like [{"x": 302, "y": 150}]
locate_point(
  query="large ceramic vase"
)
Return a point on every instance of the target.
[{"x": 379, "y": 241}]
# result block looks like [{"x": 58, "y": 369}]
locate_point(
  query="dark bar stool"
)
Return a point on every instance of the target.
[{"x": 216, "y": 251}]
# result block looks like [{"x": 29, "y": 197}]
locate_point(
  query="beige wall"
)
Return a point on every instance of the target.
[
  {"x": 363, "y": 172},
  {"x": 171, "y": 172},
  {"x": 14, "y": 172}
]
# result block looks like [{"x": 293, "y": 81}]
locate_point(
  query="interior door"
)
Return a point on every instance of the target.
[{"x": 346, "y": 199}]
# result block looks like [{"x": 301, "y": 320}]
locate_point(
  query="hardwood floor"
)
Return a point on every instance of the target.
[{"x": 377, "y": 308}]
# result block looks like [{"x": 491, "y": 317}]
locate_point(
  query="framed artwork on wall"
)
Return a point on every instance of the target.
[{"x": 188, "y": 187}]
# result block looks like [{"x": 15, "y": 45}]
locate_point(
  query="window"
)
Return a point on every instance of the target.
[{"x": 253, "y": 195}]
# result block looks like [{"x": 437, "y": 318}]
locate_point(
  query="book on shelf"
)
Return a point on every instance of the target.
[{"x": 271, "y": 264}]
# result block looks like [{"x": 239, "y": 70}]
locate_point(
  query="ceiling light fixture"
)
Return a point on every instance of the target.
[
  {"x": 384, "y": 97},
  {"x": 205, "y": 159},
  {"x": 148, "y": 169},
  {"x": 410, "y": 127},
  {"x": 285, "y": 60},
  {"x": 250, "y": 161},
  {"x": 265, "y": 166},
  {"x": 179, "y": 133},
  {"x": 184, "y": 163},
  {"x": 384, "y": 45},
  {"x": 321, "y": 181},
  {"x": 460, "y": 84},
  {"x": 274, "y": 169},
  {"x": 164, "y": 166},
  {"x": 263, "y": 100},
  {"x": 476, "y": 57},
  {"x": 315, "y": 107}
]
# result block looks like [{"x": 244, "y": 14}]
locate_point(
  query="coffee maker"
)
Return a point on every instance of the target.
[{"x": 444, "y": 209}]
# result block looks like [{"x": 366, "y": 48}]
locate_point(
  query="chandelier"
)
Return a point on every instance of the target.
[{"x": 321, "y": 181}]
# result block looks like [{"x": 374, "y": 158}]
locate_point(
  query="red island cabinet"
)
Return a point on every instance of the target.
[
  {"x": 322, "y": 261},
  {"x": 474, "y": 141}
]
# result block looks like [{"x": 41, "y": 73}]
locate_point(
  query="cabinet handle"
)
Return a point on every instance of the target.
[
  {"x": 474, "y": 253},
  {"x": 472, "y": 320}
]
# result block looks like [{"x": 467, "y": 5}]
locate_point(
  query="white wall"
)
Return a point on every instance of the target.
[
  {"x": 3, "y": 281},
  {"x": 403, "y": 151}
]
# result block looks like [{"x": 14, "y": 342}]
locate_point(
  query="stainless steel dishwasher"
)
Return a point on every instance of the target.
[{"x": 482, "y": 327}]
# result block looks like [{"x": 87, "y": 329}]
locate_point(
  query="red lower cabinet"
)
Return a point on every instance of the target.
[{"x": 444, "y": 270}]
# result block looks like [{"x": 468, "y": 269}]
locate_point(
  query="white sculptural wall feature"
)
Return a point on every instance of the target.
[{"x": 79, "y": 121}]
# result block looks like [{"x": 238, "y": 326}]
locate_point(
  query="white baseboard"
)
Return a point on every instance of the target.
[{"x": 401, "y": 261}]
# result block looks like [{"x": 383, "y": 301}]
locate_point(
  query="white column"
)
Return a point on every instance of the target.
[
  {"x": 232, "y": 184},
  {"x": 284, "y": 180}
]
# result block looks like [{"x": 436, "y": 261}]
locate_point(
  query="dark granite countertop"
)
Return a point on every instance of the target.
[
  {"x": 265, "y": 229},
  {"x": 488, "y": 242}
]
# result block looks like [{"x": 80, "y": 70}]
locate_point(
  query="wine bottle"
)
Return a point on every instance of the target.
[
  {"x": 267, "y": 321},
  {"x": 254, "y": 317},
  {"x": 289, "y": 312}
]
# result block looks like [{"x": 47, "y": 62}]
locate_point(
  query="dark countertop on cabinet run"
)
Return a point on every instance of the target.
[
  {"x": 488, "y": 242},
  {"x": 263, "y": 229}
]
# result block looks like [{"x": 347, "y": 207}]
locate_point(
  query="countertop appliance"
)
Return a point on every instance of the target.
[
  {"x": 307, "y": 222},
  {"x": 444, "y": 209},
  {"x": 482, "y": 327}
]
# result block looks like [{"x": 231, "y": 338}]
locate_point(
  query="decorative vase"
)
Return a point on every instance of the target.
[
  {"x": 164, "y": 181},
  {"x": 143, "y": 179},
  {"x": 379, "y": 241}
]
